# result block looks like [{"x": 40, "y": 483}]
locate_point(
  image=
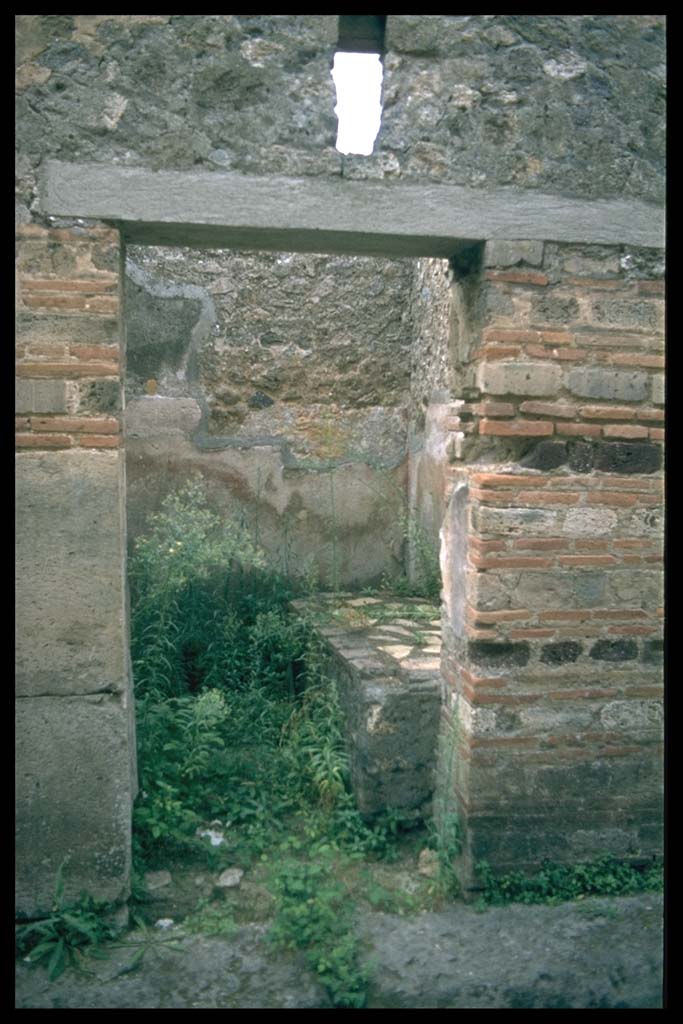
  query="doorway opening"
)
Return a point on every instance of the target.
[{"x": 307, "y": 396}]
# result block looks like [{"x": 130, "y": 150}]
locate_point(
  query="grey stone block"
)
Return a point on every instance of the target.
[
  {"x": 74, "y": 799},
  {"x": 557, "y": 310},
  {"x": 39, "y": 396},
  {"x": 23, "y": 396},
  {"x": 509, "y": 254},
  {"x": 70, "y": 592},
  {"x": 541, "y": 589},
  {"x": 633, "y": 717},
  {"x": 658, "y": 389},
  {"x": 49, "y": 396},
  {"x": 622, "y": 385},
  {"x": 154, "y": 415},
  {"x": 618, "y": 313},
  {"x": 95, "y": 396},
  {"x": 519, "y": 378},
  {"x": 517, "y": 522},
  {"x": 589, "y": 588}
]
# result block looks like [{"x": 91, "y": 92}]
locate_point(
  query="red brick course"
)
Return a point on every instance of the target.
[
  {"x": 68, "y": 371},
  {"x": 518, "y": 428}
]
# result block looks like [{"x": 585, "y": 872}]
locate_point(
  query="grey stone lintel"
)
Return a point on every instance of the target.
[{"x": 231, "y": 210}]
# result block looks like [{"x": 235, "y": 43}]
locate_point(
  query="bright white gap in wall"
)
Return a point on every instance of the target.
[{"x": 358, "y": 81}]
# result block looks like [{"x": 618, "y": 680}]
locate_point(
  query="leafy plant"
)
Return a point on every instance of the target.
[
  {"x": 181, "y": 576},
  {"x": 71, "y": 932},
  {"x": 422, "y": 573},
  {"x": 388, "y": 900},
  {"x": 556, "y": 883},
  {"x": 314, "y": 915},
  {"x": 211, "y": 919},
  {"x": 178, "y": 741},
  {"x": 313, "y": 738}
]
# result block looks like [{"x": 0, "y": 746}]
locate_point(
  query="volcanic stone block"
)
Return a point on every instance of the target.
[
  {"x": 618, "y": 457},
  {"x": 653, "y": 651},
  {"x": 392, "y": 730},
  {"x": 546, "y": 455},
  {"x": 498, "y": 654},
  {"x": 560, "y": 653},
  {"x": 614, "y": 650}
]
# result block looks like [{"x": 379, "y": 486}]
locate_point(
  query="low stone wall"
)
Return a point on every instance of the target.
[{"x": 384, "y": 655}]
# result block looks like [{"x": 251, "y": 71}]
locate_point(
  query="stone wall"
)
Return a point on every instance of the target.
[
  {"x": 568, "y": 104},
  {"x": 283, "y": 380}
]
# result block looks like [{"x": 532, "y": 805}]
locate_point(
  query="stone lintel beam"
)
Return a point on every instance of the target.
[{"x": 230, "y": 210}]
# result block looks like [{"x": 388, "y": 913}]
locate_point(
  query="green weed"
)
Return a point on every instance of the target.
[
  {"x": 422, "y": 575},
  {"x": 314, "y": 915},
  {"x": 211, "y": 919},
  {"x": 557, "y": 883},
  {"x": 72, "y": 932}
]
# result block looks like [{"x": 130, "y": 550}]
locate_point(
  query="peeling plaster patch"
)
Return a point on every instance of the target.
[
  {"x": 114, "y": 109},
  {"x": 464, "y": 97},
  {"x": 258, "y": 51},
  {"x": 571, "y": 67},
  {"x": 374, "y": 718},
  {"x": 31, "y": 74}
]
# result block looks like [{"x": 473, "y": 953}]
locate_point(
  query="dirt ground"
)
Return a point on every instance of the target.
[{"x": 603, "y": 953}]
